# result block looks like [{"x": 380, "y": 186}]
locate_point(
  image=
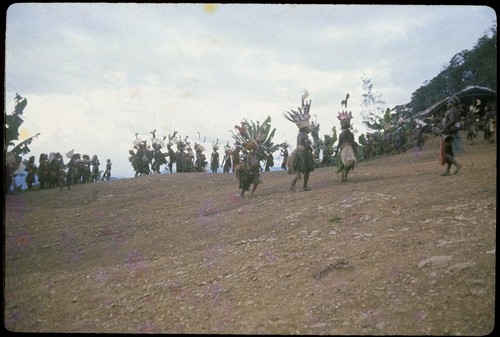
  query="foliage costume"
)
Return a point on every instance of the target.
[{"x": 256, "y": 140}]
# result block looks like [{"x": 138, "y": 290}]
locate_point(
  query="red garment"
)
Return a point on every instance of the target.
[{"x": 442, "y": 157}]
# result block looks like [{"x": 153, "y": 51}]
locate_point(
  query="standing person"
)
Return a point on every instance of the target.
[
  {"x": 95, "y": 169},
  {"x": 235, "y": 157},
  {"x": 419, "y": 137},
  {"x": 489, "y": 124},
  {"x": 32, "y": 171},
  {"x": 348, "y": 148},
  {"x": 43, "y": 171},
  {"x": 471, "y": 122},
  {"x": 269, "y": 161},
  {"x": 451, "y": 144},
  {"x": 171, "y": 156},
  {"x": 57, "y": 170},
  {"x": 301, "y": 160},
  {"x": 284, "y": 153},
  {"x": 200, "y": 161},
  {"x": 214, "y": 160},
  {"x": 107, "y": 173},
  {"x": 226, "y": 161}
]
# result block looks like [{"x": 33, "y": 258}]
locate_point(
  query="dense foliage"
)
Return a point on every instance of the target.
[{"x": 476, "y": 67}]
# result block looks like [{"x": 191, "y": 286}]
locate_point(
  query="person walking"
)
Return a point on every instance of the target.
[
  {"x": 301, "y": 160},
  {"x": 451, "y": 144}
]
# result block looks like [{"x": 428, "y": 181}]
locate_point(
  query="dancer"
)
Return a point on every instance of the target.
[
  {"x": 346, "y": 157},
  {"x": 301, "y": 160}
]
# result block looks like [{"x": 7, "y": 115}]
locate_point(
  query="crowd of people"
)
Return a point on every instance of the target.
[
  {"x": 51, "y": 170},
  {"x": 245, "y": 157},
  {"x": 476, "y": 122}
]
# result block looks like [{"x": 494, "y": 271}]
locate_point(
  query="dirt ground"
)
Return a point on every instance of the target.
[{"x": 396, "y": 250}]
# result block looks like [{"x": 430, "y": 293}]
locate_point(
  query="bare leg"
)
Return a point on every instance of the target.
[
  {"x": 306, "y": 179},
  {"x": 296, "y": 177},
  {"x": 448, "y": 167},
  {"x": 450, "y": 160},
  {"x": 253, "y": 189}
]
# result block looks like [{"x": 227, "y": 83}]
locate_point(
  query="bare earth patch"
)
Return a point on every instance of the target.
[{"x": 398, "y": 249}]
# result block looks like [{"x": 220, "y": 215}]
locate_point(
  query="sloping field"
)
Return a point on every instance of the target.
[{"x": 398, "y": 249}]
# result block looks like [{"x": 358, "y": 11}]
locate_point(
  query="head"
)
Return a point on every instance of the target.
[
  {"x": 303, "y": 124},
  {"x": 453, "y": 101},
  {"x": 345, "y": 124},
  {"x": 305, "y": 129},
  {"x": 345, "y": 119},
  {"x": 250, "y": 145}
]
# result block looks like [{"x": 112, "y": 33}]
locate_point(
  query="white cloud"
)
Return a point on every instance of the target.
[{"x": 95, "y": 74}]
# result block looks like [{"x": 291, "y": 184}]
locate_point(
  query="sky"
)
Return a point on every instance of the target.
[{"x": 95, "y": 74}]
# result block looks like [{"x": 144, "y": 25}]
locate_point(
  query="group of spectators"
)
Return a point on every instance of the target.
[{"x": 51, "y": 170}]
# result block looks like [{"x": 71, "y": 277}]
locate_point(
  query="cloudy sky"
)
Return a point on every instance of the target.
[{"x": 96, "y": 74}]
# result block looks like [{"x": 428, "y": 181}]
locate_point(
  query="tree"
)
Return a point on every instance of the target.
[
  {"x": 371, "y": 103},
  {"x": 476, "y": 67},
  {"x": 13, "y": 157},
  {"x": 387, "y": 117}
]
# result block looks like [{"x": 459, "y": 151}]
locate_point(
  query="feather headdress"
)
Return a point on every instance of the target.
[
  {"x": 227, "y": 148},
  {"x": 344, "y": 101},
  {"x": 302, "y": 116},
  {"x": 181, "y": 145},
  {"x": 198, "y": 147},
  {"x": 345, "y": 119},
  {"x": 215, "y": 146},
  {"x": 172, "y": 138}
]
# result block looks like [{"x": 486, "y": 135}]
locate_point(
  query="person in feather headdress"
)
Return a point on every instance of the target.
[
  {"x": 301, "y": 160},
  {"x": 227, "y": 163},
  {"x": 347, "y": 154},
  {"x": 214, "y": 158},
  {"x": 200, "y": 158}
]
